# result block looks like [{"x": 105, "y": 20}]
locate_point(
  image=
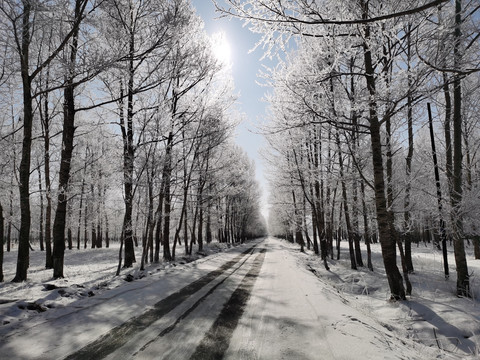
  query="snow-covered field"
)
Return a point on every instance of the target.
[
  {"x": 88, "y": 272},
  {"x": 432, "y": 316}
]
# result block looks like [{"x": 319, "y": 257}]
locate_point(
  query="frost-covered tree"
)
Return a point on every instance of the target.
[{"x": 373, "y": 34}]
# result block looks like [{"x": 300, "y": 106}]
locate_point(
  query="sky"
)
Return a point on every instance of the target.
[{"x": 245, "y": 68}]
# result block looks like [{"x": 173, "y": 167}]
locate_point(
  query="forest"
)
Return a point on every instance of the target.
[
  {"x": 117, "y": 125},
  {"x": 373, "y": 127}
]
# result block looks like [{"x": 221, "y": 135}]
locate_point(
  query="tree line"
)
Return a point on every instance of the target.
[
  {"x": 117, "y": 123},
  {"x": 373, "y": 126}
]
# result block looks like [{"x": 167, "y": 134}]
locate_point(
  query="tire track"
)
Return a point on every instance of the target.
[
  {"x": 217, "y": 340},
  {"x": 119, "y": 335}
]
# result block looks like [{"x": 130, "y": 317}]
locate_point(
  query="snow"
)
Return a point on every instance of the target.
[
  {"x": 433, "y": 315},
  {"x": 297, "y": 309}
]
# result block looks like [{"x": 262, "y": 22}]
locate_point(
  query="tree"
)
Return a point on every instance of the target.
[
  {"x": 275, "y": 20},
  {"x": 456, "y": 41},
  {"x": 148, "y": 31},
  {"x": 2, "y": 232},
  {"x": 463, "y": 282},
  {"x": 22, "y": 18},
  {"x": 67, "y": 143}
]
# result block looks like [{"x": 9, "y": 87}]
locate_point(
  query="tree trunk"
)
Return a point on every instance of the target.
[
  {"x": 366, "y": 234},
  {"x": 298, "y": 224},
  {"x": 45, "y": 122},
  {"x": 82, "y": 193},
  {"x": 151, "y": 222},
  {"x": 443, "y": 235},
  {"x": 128, "y": 159},
  {"x": 166, "y": 178},
  {"x": 59, "y": 222},
  {"x": 2, "y": 223},
  {"x": 354, "y": 141},
  {"x": 10, "y": 213},
  {"x": 208, "y": 225},
  {"x": 353, "y": 264},
  {"x": 40, "y": 190},
  {"x": 68, "y": 134},
  {"x": 100, "y": 211},
  {"x": 384, "y": 220},
  {"x": 85, "y": 226},
  {"x": 200, "y": 226},
  {"x": 393, "y": 231},
  {"x": 408, "y": 165},
  {"x": 447, "y": 122},
  {"x": 24, "y": 171},
  {"x": 463, "y": 281},
  {"x": 387, "y": 241},
  {"x": 476, "y": 246}
]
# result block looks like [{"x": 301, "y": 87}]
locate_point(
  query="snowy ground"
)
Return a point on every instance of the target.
[
  {"x": 88, "y": 272},
  {"x": 296, "y": 310},
  {"x": 433, "y": 315}
]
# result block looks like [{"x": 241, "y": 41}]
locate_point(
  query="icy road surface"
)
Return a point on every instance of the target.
[{"x": 254, "y": 302}]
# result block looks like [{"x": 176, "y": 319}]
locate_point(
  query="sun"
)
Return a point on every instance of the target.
[{"x": 221, "y": 48}]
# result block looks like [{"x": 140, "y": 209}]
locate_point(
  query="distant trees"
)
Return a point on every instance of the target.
[
  {"x": 123, "y": 108},
  {"x": 352, "y": 91}
]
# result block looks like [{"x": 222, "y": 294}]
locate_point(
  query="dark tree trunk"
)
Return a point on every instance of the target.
[
  {"x": 127, "y": 227},
  {"x": 354, "y": 141},
  {"x": 316, "y": 201},
  {"x": 387, "y": 241},
  {"x": 93, "y": 231},
  {"x": 80, "y": 211},
  {"x": 99, "y": 213},
  {"x": 193, "y": 239},
  {"x": 159, "y": 221},
  {"x": 59, "y": 222},
  {"x": 107, "y": 238},
  {"x": 200, "y": 228},
  {"x": 9, "y": 227},
  {"x": 476, "y": 246},
  {"x": 151, "y": 223},
  {"x": 353, "y": 264},
  {"x": 94, "y": 235},
  {"x": 69, "y": 238},
  {"x": 463, "y": 281},
  {"x": 408, "y": 165},
  {"x": 45, "y": 122},
  {"x": 208, "y": 225},
  {"x": 128, "y": 157},
  {"x": 366, "y": 234},
  {"x": 68, "y": 134},
  {"x": 40, "y": 232},
  {"x": 318, "y": 223},
  {"x": 24, "y": 171},
  {"x": 393, "y": 231},
  {"x": 166, "y": 178},
  {"x": 2, "y": 223},
  {"x": 200, "y": 200},
  {"x": 298, "y": 224},
  {"x": 85, "y": 226},
  {"x": 443, "y": 235}
]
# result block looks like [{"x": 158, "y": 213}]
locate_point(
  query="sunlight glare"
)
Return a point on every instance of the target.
[{"x": 221, "y": 48}]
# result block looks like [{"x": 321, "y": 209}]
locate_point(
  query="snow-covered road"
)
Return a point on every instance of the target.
[{"x": 254, "y": 302}]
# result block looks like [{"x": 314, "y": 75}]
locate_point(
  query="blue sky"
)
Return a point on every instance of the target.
[{"x": 245, "y": 68}]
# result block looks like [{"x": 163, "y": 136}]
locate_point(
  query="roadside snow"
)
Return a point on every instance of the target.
[
  {"x": 433, "y": 315},
  {"x": 88, "y": 273}
]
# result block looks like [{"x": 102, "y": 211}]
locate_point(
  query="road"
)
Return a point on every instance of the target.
[{"x": 254, "y": 302}]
